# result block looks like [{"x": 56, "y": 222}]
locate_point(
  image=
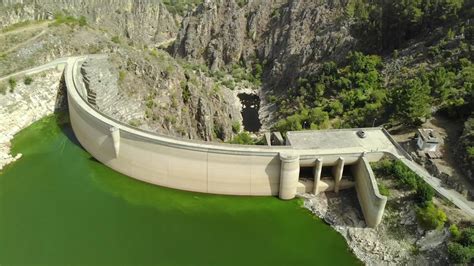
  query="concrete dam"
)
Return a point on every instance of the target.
[{"x": 232, "y": 169}]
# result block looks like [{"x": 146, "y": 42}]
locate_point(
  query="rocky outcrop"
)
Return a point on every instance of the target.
[
  {"x": 381, "y": 245},
  {"x": 26, "y": 104},
  {"x": 162, "y": 98},
  {"x": 145, "y": 22},
  {"x": 290, "y": 38}
]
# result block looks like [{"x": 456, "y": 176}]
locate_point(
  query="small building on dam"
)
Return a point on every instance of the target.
[{"x": 312, "y": 161}]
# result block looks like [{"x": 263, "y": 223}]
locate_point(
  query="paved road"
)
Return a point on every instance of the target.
[
  {"x": 32, "y": 26},
  {"x": 53, "y": 64},
  {"x": 13, "y": 48},
  {"x": 449, "y": 194}
]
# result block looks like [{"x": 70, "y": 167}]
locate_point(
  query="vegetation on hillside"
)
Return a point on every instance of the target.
[
  {"x": 180, "y": 7},
  {"x": 243, "y": 138},
  {"x": 387, "y": 25},
  {"x": 429, "y": 216},
  {"x": 61, "y": 18},
  {"x": 364, "y": 90},
  {"x": 461, "y": 246}
]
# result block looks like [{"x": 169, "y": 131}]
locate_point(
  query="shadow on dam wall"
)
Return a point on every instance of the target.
[{"x": 250, "y": 108}]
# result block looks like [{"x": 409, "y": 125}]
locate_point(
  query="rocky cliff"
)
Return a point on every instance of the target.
[
  {"x": 155, "y": 91},
  {"x": 289, "y": 38},
  {"x": 145, "y": 22}
]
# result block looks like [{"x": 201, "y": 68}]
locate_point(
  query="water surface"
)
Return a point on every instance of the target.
[
  {"x": 60, "y": 206},
  {"x": 250, "y": 108}
]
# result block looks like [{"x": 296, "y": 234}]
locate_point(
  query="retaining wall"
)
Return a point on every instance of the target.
[{"x": 370, "y": 199}]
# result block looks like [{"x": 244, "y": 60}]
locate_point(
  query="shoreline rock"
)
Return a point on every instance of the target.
[
  {"x": 373, "y": 246},
  {"x": 26, "y": 105}
]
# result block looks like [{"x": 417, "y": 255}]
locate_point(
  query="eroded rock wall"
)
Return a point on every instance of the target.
[
  {"x": 25, "y": 104},
  {"x": 290, "y": 38},
  {"x": 141, "y": 21}
]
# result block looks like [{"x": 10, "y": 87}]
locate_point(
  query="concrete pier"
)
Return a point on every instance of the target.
[
  {"x": 289, "y": 174},
  {"x": 337, "y": 173},
  {"x": 317, "y": 175},
  {"x": 115, "y": 133}
]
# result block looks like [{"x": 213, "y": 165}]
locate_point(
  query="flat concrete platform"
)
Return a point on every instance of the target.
[{"x": 341, "y": 140}]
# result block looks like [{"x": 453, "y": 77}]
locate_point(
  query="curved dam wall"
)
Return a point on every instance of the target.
[{"x": 192, "y": 165}]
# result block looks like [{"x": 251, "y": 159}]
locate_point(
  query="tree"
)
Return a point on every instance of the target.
[
  {"x": 243, "y": 138},
  {"x": 467, "y": 237},
  {"x": 318, "y": 118},
  {"x": 412, "y": 101},
  {"x": 424, "y": 193},
  {"x": 431, "y": 217},
  {"x": 460, "y": 254}
]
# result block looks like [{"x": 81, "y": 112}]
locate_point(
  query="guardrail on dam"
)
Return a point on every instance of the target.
[{"x": 212, "y": 167}]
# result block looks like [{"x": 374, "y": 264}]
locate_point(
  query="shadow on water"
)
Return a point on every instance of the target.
[
  {"x": 61, "y": 113},
  {"x": 63, "y": 122},
  {"x": 250, "y": 108}
]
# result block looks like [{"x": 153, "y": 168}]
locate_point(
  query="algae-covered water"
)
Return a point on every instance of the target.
[{"x": 60, "y": 206}]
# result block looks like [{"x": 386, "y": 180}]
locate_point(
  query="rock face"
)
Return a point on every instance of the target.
[
  {"x": 290, "y": 38},
  {"x": 162, "y": 98},
  {"x": 26, "y": 104},
  {"x": 380, "y": 245},
  {"x": 142, "y": 21}
]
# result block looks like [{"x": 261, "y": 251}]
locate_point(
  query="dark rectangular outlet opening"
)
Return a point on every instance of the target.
[
  {"x": 306, "y": 172},
  {"x": 347, "y": 173},
  {"x": 326, "y": 172}
]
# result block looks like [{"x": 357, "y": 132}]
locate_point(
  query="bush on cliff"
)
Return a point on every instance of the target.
[
  {"x": 28, "y": 80},
  {"x": 460, "y": 254},
  {"x": 455, "y": 233},
  {"x": 430, "y": 217},
  {"x": 467, "y": 237},
  {"x": 424, "y": 193},
  {"x": 461, "y": 246},
  {"x": 243, "y": 138}
]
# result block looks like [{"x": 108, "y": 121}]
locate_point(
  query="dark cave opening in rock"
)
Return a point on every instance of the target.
[{"x": 250, "y": 108}]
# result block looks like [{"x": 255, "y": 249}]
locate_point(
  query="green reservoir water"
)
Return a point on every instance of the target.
[{"x": 60, "y": 206}]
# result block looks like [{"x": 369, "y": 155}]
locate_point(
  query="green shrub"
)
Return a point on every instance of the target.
[
  {"x": 3, "y": 89},
  {"x": 431, "y": 217},
  {"x": 82, "y": 21},
  {"x": 60, "y": 18},
  {"x": 383, "y": 168},
  {"x": 454, "y": 230},
  {"x": 122, "y": 75},
  {"x": 242, "y": 3},
  {"x": 460, "y": 254},
  {"x": 229, "y": 83},
  {"x": 116, "y": 39},
  {"x": 405, "y": 176},
  {"x": 186, "y": 93},
  {"x": 150, "y": 103},
  {"x": 467, "y": 237},
  {"x": 12, "y": 83},
  {"x": 134, "y": 122},
  {"x": 424, "y": 193},
  {"x": 243, "y": 138},
  {"x": 236, "y": 127},
  {"x": 272, "y": 98},
  {"x": 384, "y": 190},
  {"x": 28, "y": 80}
]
